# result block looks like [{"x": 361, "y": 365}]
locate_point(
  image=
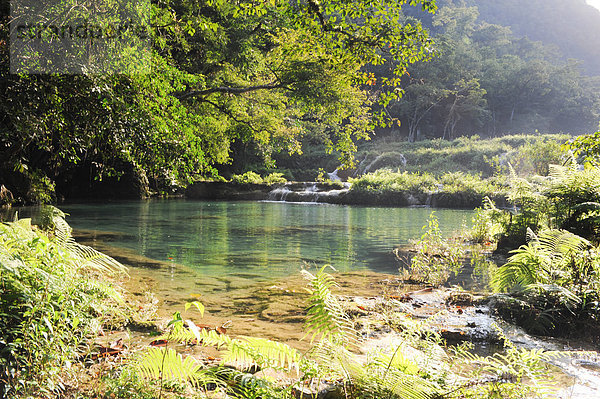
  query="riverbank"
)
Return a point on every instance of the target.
[
  {"x": 385, "y": 313},
  {"x": 380, "y": 312},
  {"x": 380, "y": 189}
]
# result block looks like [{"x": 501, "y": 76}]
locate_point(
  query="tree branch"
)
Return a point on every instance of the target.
[
  {"x": 228, "y": 90},
  {"x": 230, "y": 114},
  {"x": 327, "y": 27}
]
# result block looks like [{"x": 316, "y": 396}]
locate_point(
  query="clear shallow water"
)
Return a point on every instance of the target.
[{"x": 259, "y": 240}]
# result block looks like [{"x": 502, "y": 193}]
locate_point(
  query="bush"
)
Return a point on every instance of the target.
[
  {"x": 386, "y": 180},
  {"x": 274, "y": 177},
  {"x": 247, "y": 178},
  {"x": 436, "y": 259}
]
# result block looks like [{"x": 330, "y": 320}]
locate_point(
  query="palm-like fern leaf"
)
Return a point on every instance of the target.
[
  {"x": 248, "y": 351},
  {"x": 325, "y": 315},
  {"x": 245, "y": 351},
  {"x": 540, "y": 261},
  {"x": 166, "y": 363}
]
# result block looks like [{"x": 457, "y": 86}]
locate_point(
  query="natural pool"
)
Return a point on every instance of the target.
[{"x": 258, "y": 240}]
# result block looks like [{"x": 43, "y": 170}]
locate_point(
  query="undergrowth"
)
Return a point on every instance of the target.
[
  {"x": 53, "y": 299},
  {"x": 419, "y": 367}
]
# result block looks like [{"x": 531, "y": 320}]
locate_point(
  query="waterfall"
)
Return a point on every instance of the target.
[
  {"x": 333, "y": 176},
  {"x": 308, "y": 192},
  {"x": 279, "y": 194}
]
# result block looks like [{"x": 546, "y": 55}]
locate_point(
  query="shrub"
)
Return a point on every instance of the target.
[
  {"x": 274, "y": 177},
  {"x": 247, "y": 178},
  {"x": 436, "y": 259}
]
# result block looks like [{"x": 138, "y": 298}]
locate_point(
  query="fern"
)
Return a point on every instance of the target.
[
  {"x": 167, "y": 364},
  {"x": 245, "y": 351},
  {"x": 248, "y": 351},
  {"x": 325, "y": 315},
  {"x": 87, "y": 256},
  {"x": 543, "y": 260}
]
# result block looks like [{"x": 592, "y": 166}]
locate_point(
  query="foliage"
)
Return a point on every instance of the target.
[
  {"x": 386, "y": 180},
  {"x": 468, "y": 188},
  {"x": 557, "y": 273},
  {"x": 486, "y": 226},
  {"x": 168, "y": 365},
  {"x": 487, "y": 80},
  {"x": 436, "y": 259},
  {"x": 503, "y": 374},
  {"x": 247, "y": 178},
  {"x": 224, "y": 76},
  {"x": 470, "y": 155},
  {"x": 417, "y": 368},
  {"x": 573, "y": 34},
  {"x": 325, "y": 316},
  {"x": 587, "y": 146},
  {"x": 274, "y": 178},
  {"x": 574, "y": 195},
  {"x": 52, "y": 301}
]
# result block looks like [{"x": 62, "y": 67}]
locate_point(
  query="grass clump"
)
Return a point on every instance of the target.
[
  {"x": 385, "y": 180},
  {"x": 247, "y": 178},
  {"x": 52, "y": 301},
  {"x": 436, "y": 259}
]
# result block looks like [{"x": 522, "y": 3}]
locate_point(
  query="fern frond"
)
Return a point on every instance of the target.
[
  {"x": 249, "y": 351},
  {"x": 325, "y": 316},
  {"x": 560, "y": 243},
  {"x": 166, "y": 363},
  {"x": 87, "y": 256},
  {"x": 208, "y": 337},
  {"x": 179, "y": 334}
]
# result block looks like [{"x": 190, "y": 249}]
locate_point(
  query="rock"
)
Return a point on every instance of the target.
[
  {"x": 324, "y": 391},
  {"x": 277, "y": 377},
  {"x": 461, "y": 298}
]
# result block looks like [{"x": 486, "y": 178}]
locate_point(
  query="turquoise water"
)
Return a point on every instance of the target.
[{"x": 259, "y": 240}]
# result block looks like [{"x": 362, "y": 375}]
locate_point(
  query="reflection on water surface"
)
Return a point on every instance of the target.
[{"x": 262, "y": 240}]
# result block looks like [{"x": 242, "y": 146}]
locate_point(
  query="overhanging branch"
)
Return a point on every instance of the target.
[{"x": 229, "y": 90}]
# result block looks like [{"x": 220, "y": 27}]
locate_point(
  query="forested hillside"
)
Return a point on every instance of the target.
[
  {"x": 489, "y": 78},
  {"x": 572, "y": 25}
]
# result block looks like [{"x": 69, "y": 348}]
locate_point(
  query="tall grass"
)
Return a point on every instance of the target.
[{"x": 529, "y": 154}]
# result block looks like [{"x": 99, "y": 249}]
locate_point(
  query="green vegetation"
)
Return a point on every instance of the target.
[
  {"x": 254, "y": 178},
  {"x": 451, "y": 189},
  {"x": 574, "y": 33},
  {"x": 225, "y": 76},
  {"x": 528, "y": 154},
  {"x": 417, "y": 368},
  {"x": 552, "y": 233},
  {"x": 556, "y": 277},
  {"x": 436, "y": 259},
  {"x": 54, "y": 298},
  {"x": 486, "y": 80}
]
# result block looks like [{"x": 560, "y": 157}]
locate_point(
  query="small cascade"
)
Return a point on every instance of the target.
[
  {"x": 333, "y": 176},
  {"x": 279, "y": 194},
  {"x": 309, "y": 192}
]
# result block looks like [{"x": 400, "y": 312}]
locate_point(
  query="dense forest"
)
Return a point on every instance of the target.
[
  {"x": 234, "y": 86},
  {"x": 501, "y": 68}
]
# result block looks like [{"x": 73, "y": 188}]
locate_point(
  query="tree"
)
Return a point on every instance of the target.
[{"x": 220, "y": 73}]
